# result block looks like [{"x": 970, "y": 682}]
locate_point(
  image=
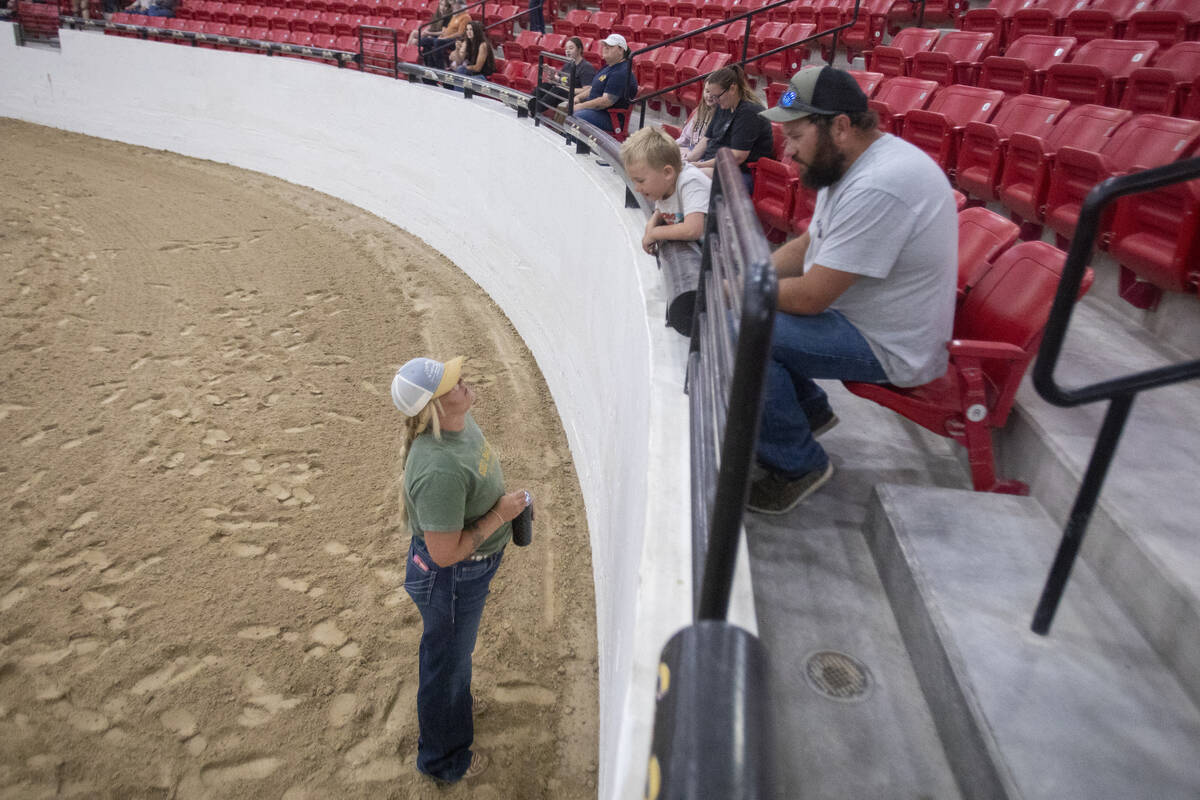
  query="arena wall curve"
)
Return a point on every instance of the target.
[{"x": 542, "y": 230}]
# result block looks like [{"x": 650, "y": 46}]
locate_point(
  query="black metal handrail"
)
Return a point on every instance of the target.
[
  {"x": 747, "y": 16},
  {"x": 1120, "y": 392},
  {"x": 731, "y": 340}
]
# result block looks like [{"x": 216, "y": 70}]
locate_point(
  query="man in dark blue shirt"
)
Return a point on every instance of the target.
[{"x": 613, "y": 87}]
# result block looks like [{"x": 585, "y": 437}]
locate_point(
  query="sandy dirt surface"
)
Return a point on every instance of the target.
[{"x": 200, "y": 582}]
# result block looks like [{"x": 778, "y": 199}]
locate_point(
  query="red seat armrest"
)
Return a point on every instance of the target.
[{"x": 974, "y": 348}]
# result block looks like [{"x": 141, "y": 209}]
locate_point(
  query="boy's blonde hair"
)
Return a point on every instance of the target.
[{"x": 652, "y": 147}]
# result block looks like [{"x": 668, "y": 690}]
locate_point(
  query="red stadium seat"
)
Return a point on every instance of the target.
[
  {"x": 646, "y": 68},
  {"x": 631, "y": 7},
  {"x": 803, "y": 206},
  {"x": 1045, "y": 18},
  {"x": 692, "y": 24},
  {"x": 632, "y": 26},
  {"x": 282, "y": 20},
  {"x": 660, "y": 29},
  {"x": 1166, "y": 22},
  {"x": 775, "y": 90},
  {"x": 938, "y": 128},
  {"x": 716, "y": 9},
  {"x": 944, "y": 11},
  {"x": 997, "y": 330},
  {"x": 896, "y": 97},
  {"x": 1102, "y": 19},
  {"x": 1156, "y": 239},
  {"x": 1098, "y": 71},
  {"x": 659, "y": 8},
  {"x": 569, "y": 25},
  {"x": 1029, "y": 159},
  {"x": 954, "y": 59},
  {"x": 767, "y": 36},
  {"x": 867, "y": 31},
  {"x": 784, "y": 64},
  {"x": 524, "y": 47},
  {"x": 597, "y": 26},
  {"x": 984, "y": 144},
  {"x": 867, "y": 81},
  {"x": 982, "y": 236},
  {"x": 775, "y": 184},
  {"x": 1163, "y": 88},
  {"x": 994, "y": 19},
  {"x": 1147, "y": 140},
  {"x": 671, "y": 73},
  {"x": 782, "y": 13},
  {"x": 618, "y": 119},
  {"x": 896, "y": 58},
  {"x": 689, "y": 95},
  {"x": 1022, "y": 69}
]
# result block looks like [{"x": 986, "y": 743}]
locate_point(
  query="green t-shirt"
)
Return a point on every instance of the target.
[{"x": 451, "y": 483}]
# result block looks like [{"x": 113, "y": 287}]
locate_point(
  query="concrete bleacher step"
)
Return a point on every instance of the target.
[
  {"x": 1142, "y": 538},
  {"x": 1088, "y": 712}
]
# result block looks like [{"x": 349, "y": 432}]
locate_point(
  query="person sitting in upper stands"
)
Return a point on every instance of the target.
[
  {"x": 577, "y": 73},
  {"x": 153, "y": 8},
  {"x": 437, "y": 23},
  {"x": 679, "y": 191},
  {"x": 613, "y": 87},
  {"x": 696, "y": 125},
  {"x": 437, "y": 47},
  {"x": 473, "y": 55},
  {"x": 867, "y": 293},
  {"x": 735, "y": 124}
]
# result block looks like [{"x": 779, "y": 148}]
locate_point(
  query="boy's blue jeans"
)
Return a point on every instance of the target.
[
  {"x": 824, "y": 345},
  {"x": 450, "y": 600}
]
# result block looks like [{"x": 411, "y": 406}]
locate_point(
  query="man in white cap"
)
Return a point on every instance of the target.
[
  {"x": 613, "y": 87},
  {"x": 867, "y": 293}
]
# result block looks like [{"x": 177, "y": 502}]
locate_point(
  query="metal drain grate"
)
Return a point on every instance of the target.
[{"x": 837, "y": 676}]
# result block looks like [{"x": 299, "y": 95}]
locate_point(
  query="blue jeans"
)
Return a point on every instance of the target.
[
  {"x": 536, "y": 21},
  {"x": 450, "y": 600},
  {"x": 824, "y": 345},
  {"x": 598, "y": 118}
]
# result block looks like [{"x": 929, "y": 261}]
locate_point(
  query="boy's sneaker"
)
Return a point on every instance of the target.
[
  {"x": 823, "y": 422},
  {"x": 775, "y": 494},
  {"x": 479, "y": 764}
]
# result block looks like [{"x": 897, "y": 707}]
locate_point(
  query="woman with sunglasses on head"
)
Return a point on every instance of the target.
[
  {"x": 460, "y": 518},
  {"x": 736, "y": 124}
]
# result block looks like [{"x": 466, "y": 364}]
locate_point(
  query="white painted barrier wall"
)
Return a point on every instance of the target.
[{"x": 543, "y": 231}]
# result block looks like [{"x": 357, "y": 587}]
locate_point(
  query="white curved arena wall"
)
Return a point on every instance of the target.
[{"x": 542, "y": 230}]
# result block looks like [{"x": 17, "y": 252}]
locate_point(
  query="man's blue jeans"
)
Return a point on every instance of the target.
[
  {"x": 824, "y": 345},
  {"x": 450, "y": 600},
  {"x": 600, "y": 119}
]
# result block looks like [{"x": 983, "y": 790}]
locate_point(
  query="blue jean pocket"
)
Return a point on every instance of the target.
[{"x": 419, "y": 577}]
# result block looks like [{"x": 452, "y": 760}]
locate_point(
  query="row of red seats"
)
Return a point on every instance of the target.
[
  {"x": 408, "y": 9},
  {"x": 1039, "y": 157},
  {"x": 1163, "y": 21},
  {"x": 1114, "y": 72}
]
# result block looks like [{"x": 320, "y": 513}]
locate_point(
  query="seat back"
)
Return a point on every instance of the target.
[
  {"x": 1098, "y": 71},
  {"x": 894, "y": 59},
  {"x": 963, "y": 104},
  {"x": 1168, "y": 22},
  {"x": 1102, "y": 19},
  {"x": 1029, "y": 113},
  {"x": 1010, "y": 303},
  {"x": 897, "y": 96},
  {"x": 955, "y": 58},
  {"x": 867, "y": 81},
  {"x": 1159, "y": 89},
  {"x": 1026, "y": 61},
  {"x": 982, "y": 236},
  {"x": 1046, "y": 17}
]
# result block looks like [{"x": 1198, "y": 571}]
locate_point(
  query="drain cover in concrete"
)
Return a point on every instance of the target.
[{"x": 837, "y": 676}]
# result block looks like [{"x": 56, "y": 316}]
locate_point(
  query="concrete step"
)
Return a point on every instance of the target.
[
  {"x": 1142, "y": 538},
  {"x": 1090, "y": 711},
  {"x": 816, "y": 590}
]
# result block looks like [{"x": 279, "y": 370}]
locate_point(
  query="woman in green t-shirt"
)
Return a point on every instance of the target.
[{"x": 460, "y": 519}]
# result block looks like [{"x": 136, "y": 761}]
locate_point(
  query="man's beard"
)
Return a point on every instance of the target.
[{"x": 828, "y": 164}]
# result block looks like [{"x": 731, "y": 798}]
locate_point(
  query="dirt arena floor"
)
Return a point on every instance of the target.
[{"x": 200, "y": 581}]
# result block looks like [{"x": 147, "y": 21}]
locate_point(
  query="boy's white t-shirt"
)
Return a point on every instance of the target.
[{"x": 690, "y": 196}]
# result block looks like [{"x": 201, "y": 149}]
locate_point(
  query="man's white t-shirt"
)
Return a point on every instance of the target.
[
  {"x": 892, "y": 220},
  {"x": 690, "y": 195}
]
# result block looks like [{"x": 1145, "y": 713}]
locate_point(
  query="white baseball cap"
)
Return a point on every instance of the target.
[
  {"x": 616, "y": 40},
  {"x": 421, "y": 380}
]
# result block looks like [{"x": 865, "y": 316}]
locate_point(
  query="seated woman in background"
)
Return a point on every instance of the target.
[
  {"x": 736, "y": 124},
  {"x": 613, "y": 87},
  {"x": 576, "y": 73},
  {"x": 153, "y": 8},
  {"x": 696, "y": 125},
  {"x": 474, "y": 55},
  {"x": 437, "y": 46}
]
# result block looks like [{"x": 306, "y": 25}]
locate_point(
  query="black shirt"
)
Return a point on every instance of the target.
[{"x": 740, "y": 129}]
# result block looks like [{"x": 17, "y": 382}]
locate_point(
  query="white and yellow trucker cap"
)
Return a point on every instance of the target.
[{"x": 423, "y": 379}]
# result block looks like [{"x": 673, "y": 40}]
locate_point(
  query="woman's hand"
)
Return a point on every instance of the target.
[{"x": 510, "y": 505}]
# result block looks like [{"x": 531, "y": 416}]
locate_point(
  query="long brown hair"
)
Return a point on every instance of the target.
[{"x": 473, "y": 45}]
